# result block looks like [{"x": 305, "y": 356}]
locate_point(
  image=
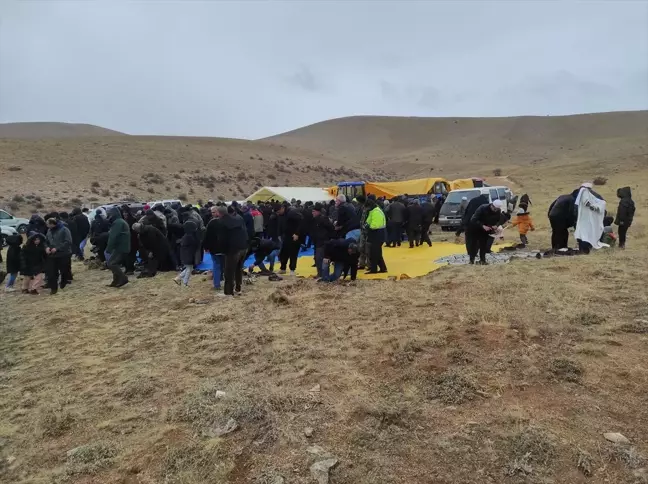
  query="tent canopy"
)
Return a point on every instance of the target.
[{"x": 282, "y": 194}]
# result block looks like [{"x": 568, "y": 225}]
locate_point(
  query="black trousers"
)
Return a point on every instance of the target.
[
  {"x": 375, "y": 241},
  {"x": 414, "y": 235},
  {"x": 394, "y": 232},
  {"x": 289, "y": 251},
  {"x": 234, "y": 271},
  {"x": 425, "y": 234},
  {"x": 559, "y": 234},
  {"x": 477, "y": 242},
  {"x": 623, "y": 232},
  {"x": 57, "y": 267},
  {"x": 115, "y": 265}
]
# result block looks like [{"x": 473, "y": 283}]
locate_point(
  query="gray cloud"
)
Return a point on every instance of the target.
[{"x": 251, "y": 69}]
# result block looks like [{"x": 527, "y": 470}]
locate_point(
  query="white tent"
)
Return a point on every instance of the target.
[{"x": 281, "y": 194}]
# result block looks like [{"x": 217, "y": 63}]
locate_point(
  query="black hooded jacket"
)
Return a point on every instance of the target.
[
  {"x": 82, "y": 225},
  {"x": 472, "y": 207},
  {"x": 33, "y": 256},
  {"x": 414, "y": 216},
  {"x": 36, "y": 224},
  {"x": 626, "y": 210},
  {"x": 156, "y": 242},
  {"x": 13, "y": 253},
  {"x": 189, "y": 243},
  {"x": 292, "y": 222},
  {"x": 563, "y": 210}
]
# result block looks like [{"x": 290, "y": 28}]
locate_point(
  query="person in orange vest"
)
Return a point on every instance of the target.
[{"x": 524, "y": 223}]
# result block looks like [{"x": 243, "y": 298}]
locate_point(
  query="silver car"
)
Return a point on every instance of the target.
[{"x": 8, "y": 220}]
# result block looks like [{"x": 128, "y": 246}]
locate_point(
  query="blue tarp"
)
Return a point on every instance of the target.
[{"x": 206, "y": 264}]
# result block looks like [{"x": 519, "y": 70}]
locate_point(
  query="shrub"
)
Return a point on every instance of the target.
[
  {"x": 191, "y": 191},
  {"x": 132, "y": 184},
  {"x": 39, "y": 205},
  {"x": 18, "y": 199},
  {"x": 497, "y": 172},
  {"x": 271, "y": 177},
  {"x": 183, "y": 197},
  {"x": 150, "y": 190},
  {"x": 95, "y": 184},
  {"x": 177, "y": 186},
  {"x": 221, "y": 198},
  {"x": 75, "y": 202},
  {"x": 105, "y": 193},
  {"x": 13, "y": 206},
  {"x": 15, "y": 168},
  {"x": 240, "y": 176},
  {"x": 600, "y": 180}
]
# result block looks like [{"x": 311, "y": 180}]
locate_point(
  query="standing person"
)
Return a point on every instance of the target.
[
  {"x": 13, "y": 260},
  {"x": 71, "y": 225},
  {"x": 235, "y": 248},
  {"x": 259, "y": 224},
  {"x": 460, "y": 215},
  {"x": 414, "y": 221},
  {"x": 562, "y": 215},
  {"x": 625, "y": 214},
  {"x": 214, "y": 244},
  {"x": 524, "y": 223},
  {"x": 188, "y": 246},
  {"x": 426, "y": 222},
  {"x": 119, "y": 239},
  {"x": 291, "y": 221},
  {"x": 483, "y": 223},
  {"x": 131, "y": 257},
  {"x": 376, "y": 224},
  {"x": 348, "y": 222},
  {"x": 323, "y": 231},
  {"x": 471, "y": 208},
  {"x": 396, "y": 217},
  {"x": 32, "y": 265},
  {"x": 59, "y": 251},
  {"x": 80, "y": 235}
]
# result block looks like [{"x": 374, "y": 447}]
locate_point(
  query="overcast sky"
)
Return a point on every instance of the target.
[{"x": 255, "y": 68}]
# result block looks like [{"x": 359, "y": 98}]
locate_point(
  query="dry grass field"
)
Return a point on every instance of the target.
[{"x": 501, "y": 374}]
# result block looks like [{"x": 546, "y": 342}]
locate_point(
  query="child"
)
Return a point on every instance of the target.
[
  {"x": 524, "y": 223},
  {"x": 188, "y": 247},
  {"x": 32, "y": 264},
  {"x": 13, "y": 260}
]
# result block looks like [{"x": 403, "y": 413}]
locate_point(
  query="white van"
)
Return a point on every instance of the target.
[{"x": 448, "y": 217}]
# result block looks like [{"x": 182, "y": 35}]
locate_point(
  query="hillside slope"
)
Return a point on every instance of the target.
[
  {"x": 464, "y": 145},
  {"x": 53, "y": 130}
]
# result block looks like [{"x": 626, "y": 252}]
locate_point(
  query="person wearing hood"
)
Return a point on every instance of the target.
[
  {"x": 483, "y": 224},
  {"x": 119, "y": 239},
  {"x": 13, "y": 260},
  {"x": 152, "y": 218},
  {"x": 59, "y": 251},
  {"x": 189, "y": 244},
  {"x": 32, "y": 263},
  {"x": 36, "y": 224},
  {"x": 80, "y": 234},
  {"x": 154, "y": 250},
  {"x": 131, "y": 257},
  {"x": 524, "y": 223},
  {"x": 193, "y": 215},
  {"x": 463, "y": 205},
  {"x": 625, "y": 214},
  {"x": 100, "y": 224},
  {"x": 290, "y": 221}
]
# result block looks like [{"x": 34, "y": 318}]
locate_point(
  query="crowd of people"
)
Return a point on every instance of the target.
[{"x": 347, "y": 236}]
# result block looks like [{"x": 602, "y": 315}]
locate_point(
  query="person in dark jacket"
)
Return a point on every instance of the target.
[
  {"x": 470, "y": 210},
  {"x": 562, "y": 215},
  {"x": 625, "y": 214},
  {"x": 100, "y": 224},
  {"x": 264, "y": 249},
  {"x": 235, "y": 245},
  {"x": 414, "y": 221},
  {"x": 59, "y": 251},
  {"x": 13, "y": 260},
  {"x": 426, "y": 222},
  {"x": 32, "y": 263},
  {"x": 322, "y": 231},
  {"x": 118, "y": 246},
  {"x": 306, "y": 231},
  {"x": 348, "y": 219},
  {"x": 81, "y": 231},
  {"x": 343, "y": 253},
  {"x": 290, "y": 220},
  {"x": 154, "y": 250},
  {"x": 36, "y": 224},
  {"x": 482, "y": 224},
  {"x": 131, "y": 258},
  {"x": 189, "y": 243},
  {"x": 396, "y": 215},
  {"x": 151, "y": 218},
  {"x": 214, "y": 243}
]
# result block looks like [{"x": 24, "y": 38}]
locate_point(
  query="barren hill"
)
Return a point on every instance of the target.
[
  {"x": 53, "y": 130},
  {"x": 414, "y": 145}
]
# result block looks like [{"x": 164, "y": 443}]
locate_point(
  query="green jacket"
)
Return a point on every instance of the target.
[
  {"x": 119, "y": 237},
  {"x": 376, "y": 219}
]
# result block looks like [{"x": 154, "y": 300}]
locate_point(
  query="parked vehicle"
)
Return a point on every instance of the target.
[
  {"x": 449, "y": 219},
  {"x": 8, "y": 220},
  {"x": 6, "y": 231}
]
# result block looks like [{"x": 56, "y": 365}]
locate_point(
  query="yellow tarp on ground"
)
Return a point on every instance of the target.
[
  {"x": 401, "y": 261},
  {"x": 420, "y": 186}
]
